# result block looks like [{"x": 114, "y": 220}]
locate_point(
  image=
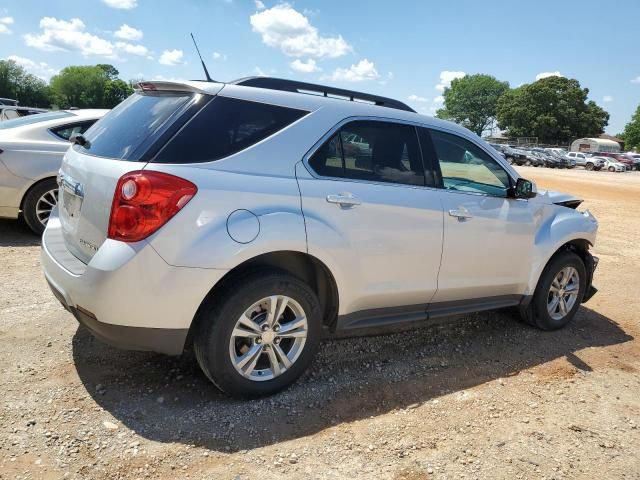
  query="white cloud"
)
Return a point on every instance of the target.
[
  {"x": 542, "y": 75},
  {"x": 39, "y": 69},
  {"x": 417, "y": 98},
  {"x": 446, "y": 77},
  {"x": 139, "y": 50},
  {"x": 4, "y": 21},
  {"x": 219, "y": 56},
  {"x": 285, "y": 28},
  {"x": 259, "y": 5},
  {"x": 125, "y": 32},
  {"x": 607, "y": 98},
  {"x": 171, "y": 57},
  {"x": 636, "y": 80},
  {"x": 121, "y": 4},
  {"x": 438, "y": 100},
  {"x": 62, "y": 35},
  {"x": 363, "y": 70},
  {"x": 259, "y": 72},
  {"x": 309, "y": 66}
]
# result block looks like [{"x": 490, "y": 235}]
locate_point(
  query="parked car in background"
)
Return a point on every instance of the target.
[
  {"x": 629, "y": 162},
  {"x": 8, "y": 101},
  {"x": 31, "y": 150},
  {"x": 515, "y": 156},
  {"x": 557, "y": 158},
  {"x": 612, "y": 165},
  {"x": 587, "y": 161},
  {"x": 231, "y": 217},
  {"x": 11, "y": 112}
]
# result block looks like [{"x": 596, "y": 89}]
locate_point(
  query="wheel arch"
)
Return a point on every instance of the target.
[
  {"x": 33, "y": 185},
  {"x": 304, "y": 266}
]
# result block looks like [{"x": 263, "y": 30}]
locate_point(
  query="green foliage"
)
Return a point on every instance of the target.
[
  {"x": 554, "y": 109},
  {"x": 631, "y": 134},
  {"x": 89, "y": 87},
  {"x": 472, "y": 101},
  {"x": 16, "y": 83}
]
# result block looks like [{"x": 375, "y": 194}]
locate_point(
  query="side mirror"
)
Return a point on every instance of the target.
[{"x": 523, "y": 189}]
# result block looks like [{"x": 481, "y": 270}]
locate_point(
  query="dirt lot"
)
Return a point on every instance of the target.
[{"x": 484, "y": 398}]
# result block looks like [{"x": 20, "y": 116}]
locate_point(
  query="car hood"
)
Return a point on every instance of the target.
[{"x": 560, "y": 198}]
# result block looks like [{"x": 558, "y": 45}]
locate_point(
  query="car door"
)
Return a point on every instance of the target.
[
  {"x": 488, "y": 236},
  {"x": 372, "y": 216}
]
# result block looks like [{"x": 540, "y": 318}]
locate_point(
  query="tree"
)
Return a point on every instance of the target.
[
  {"x": 16, "y": 83},
  {"x": 554, "y": 109},
  {"x": 472, "y": 101},
  {"x": 89, "y": 87},
  {"x": 631, "y": 134}
]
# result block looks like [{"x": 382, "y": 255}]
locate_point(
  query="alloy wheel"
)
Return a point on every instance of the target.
[
  {"x": 563, "y": 293},
  {"x": 268, "y": 338},
  {"x": 45, "y": 204}
]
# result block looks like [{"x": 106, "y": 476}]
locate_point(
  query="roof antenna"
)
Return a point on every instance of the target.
[{"x": 206, "y": 72}]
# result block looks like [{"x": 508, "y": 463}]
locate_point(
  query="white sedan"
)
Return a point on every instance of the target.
[
  {"x": 612, "y": 165},
  {"x": 31, "y": 151}
]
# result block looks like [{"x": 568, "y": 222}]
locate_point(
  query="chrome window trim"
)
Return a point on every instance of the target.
[{"x": 344, "y": 121}]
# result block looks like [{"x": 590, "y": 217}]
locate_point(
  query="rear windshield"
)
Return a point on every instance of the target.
[
  {"x": 31, "y": 119},
  {"x": 226, "y": 126},
  {"x": 127, "y": 131}
]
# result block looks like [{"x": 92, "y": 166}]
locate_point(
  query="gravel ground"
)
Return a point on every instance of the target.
[{"x": 482, "y": 397}]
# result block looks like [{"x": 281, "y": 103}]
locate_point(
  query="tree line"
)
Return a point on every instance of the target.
[
  {"x": 554, "y": 109},
  {"x": 86, "y": 86}
]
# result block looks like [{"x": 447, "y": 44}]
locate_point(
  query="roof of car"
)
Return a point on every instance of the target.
[{"x": 306, "y": 101}]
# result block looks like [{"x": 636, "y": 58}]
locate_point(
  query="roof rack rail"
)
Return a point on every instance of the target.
[{"x": 282, "y": 84}]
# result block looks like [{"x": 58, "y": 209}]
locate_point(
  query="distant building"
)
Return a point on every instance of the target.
[
  {"x": 595, "y": 145},
  {"x": 604, "y": 136}
]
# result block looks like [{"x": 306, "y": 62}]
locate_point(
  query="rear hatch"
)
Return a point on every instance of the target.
[{"x": 124, "y": 140}]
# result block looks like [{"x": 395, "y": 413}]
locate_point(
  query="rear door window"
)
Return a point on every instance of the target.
[
  {"x": 226, "y": 126},
  {"x": 127, "y": 131},
  {"x": 374, "y": 151}
]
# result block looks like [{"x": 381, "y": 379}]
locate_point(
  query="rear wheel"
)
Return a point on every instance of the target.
[
  {"x": 259, "y": 334},
  {"x": 38, "y": 203},
  {"x": 558, "y": 294}
]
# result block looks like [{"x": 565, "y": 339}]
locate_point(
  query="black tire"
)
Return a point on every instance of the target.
[
  {"x": 217, "y": 318},
  {"x": 589, "y": 166},
  {"x": 30, "y": 203},
  {"x": 612, "y": 169},
  {"x": 536, "y": 313},
  {"x": 510, "y": 160}
]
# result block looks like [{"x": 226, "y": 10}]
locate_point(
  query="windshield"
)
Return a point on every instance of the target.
[{"x": 31, "y": 119}]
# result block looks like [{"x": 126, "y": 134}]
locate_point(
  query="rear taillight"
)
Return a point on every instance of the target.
[{"x": 144, "y": 201}]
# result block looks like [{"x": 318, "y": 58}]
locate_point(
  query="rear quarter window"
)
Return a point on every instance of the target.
[{"x": 226, "y": 126}]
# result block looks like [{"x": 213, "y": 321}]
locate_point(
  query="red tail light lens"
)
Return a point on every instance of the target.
[{"x": 144, "y": 201}]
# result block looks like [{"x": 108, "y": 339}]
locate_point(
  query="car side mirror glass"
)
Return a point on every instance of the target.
[{"x": 523, "y": 189}]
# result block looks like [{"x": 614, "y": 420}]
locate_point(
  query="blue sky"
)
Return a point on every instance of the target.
[{"x": 405, "y": 49}]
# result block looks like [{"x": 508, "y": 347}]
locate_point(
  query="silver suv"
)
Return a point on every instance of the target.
[{"x": 250, "y": 219}]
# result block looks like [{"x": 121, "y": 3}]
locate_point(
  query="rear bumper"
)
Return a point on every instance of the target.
[{"x": 127, "y": 295}]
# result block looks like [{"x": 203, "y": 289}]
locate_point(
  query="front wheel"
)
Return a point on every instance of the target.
[
  {"x": 259, "y": 334},
  {"x": 589, "y": 166},
  {"x": 559, "y": 293},
  {"x": 612, "y": 169}
]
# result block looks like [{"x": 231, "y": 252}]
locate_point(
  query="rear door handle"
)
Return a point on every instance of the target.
[
  {"x": 344, "y": 200},
  {"x": 461, "y": 213}
]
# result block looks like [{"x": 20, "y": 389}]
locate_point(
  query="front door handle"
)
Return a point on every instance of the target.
[
  {"x": 344, "y": 200},
  {"x": 461, "y": 214}
]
